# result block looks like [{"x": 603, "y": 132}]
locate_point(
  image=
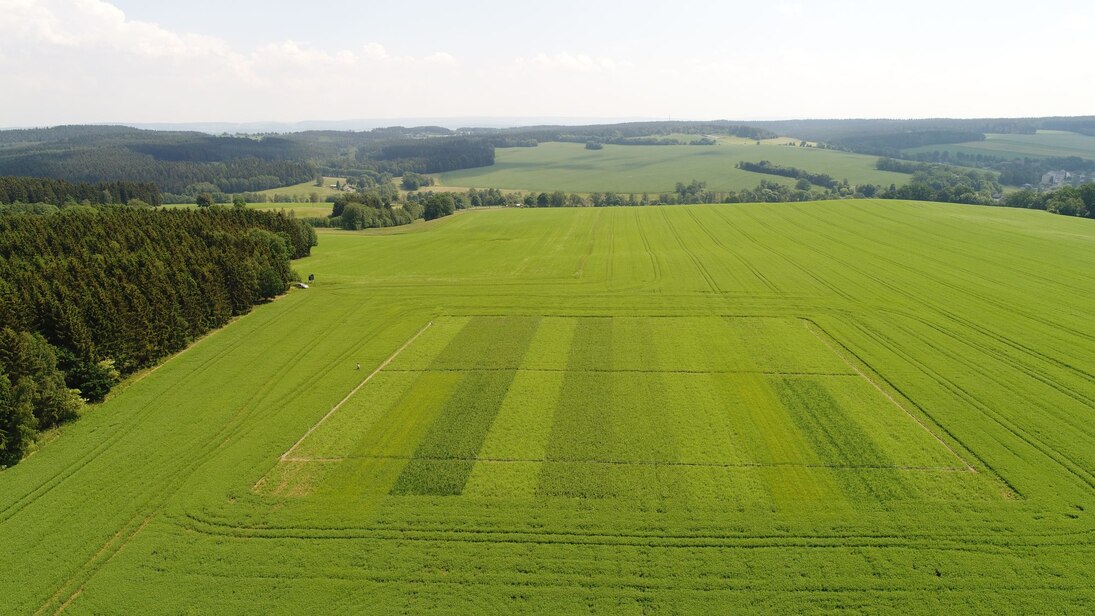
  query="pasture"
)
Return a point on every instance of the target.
[
  {"x": 656, "y": 169},
  {"x": 858, "y": 405},
  {"x": 1043, "y": 144},
  {"x": 305, "y": 189}
]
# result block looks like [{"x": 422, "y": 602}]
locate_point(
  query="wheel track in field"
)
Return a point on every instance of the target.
[
  {"x": 597, "y": 221},
  {"x": 1031, "y": 440},
  {"x": 704, "y": 273},
  {"x": 1083, "y": 399},
  {"x": 72, "y": 587},
  {"x": 133, "y": 421},
  {"x": 649, "y": 251},
  {"x": 1007, "y": 308},
  {"x": 956, "y": 248},
  {"x": 1063, "y": 460},
  {"x": 843, "y": 353},
  {"x": 718, "y": 242},
  {"x": 639, "y": 586},
  {"x": 856, "y": 324},
  {"x": 833, "y": 288},
  {"x": 1007, "y": 360},
  {"x": 1016, "y": 431},
  {"x": 987, "y": 541}
]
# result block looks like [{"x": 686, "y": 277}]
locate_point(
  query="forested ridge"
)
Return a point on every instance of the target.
[
  {"x": 90, "y": 295},
  {"x": 185, "y": 164}
]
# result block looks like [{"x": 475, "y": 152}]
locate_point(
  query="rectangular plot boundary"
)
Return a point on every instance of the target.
[
  {"x": 288, "y": 457},
  {"x": 815, "y": 330},
  {"x": 825, "y": 338}
]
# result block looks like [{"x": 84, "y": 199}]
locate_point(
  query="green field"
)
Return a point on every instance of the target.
[
  {"x": 874, "y": 406},
  {"x": 305, "y": 189},
  {"x": 1043, "y": 144},
  {"x": 657, "y": 169}
]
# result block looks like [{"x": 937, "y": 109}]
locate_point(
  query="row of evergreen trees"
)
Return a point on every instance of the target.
[
  {"x": 90, "y": 295},
  {"x": 57, "y": 192}
]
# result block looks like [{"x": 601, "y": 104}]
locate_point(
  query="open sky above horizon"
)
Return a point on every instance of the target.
[{"x": 141, "y": 61}]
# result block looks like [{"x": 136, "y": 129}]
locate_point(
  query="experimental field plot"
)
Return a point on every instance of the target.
[{"x": 696, "y": 411}]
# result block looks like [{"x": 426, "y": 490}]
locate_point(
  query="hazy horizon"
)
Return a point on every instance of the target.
[{"x": 252, "y": 62}]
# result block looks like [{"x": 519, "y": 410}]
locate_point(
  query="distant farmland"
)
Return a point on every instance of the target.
[
  {"x": 858, "y": 405},
  {"x": 1043, "y": 144},
  {"x": 656, "y": 169}
]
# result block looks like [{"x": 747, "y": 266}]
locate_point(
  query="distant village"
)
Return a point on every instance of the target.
[{"x": 1060, "y": 177}]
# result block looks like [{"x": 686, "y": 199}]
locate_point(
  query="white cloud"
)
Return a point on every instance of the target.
[
  {"x": 87, "y": 61},
  {"x": 789, "y": 9},
  {"x": 566, "y": 61},
  {"x": 91, "y": 46}
]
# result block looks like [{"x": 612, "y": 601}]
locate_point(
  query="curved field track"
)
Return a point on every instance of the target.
[{"x": 867, "y": 406}]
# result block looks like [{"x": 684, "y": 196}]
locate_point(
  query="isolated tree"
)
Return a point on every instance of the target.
[
  {"x": 353, "y": 216},
  {"x": 239, "y": 202},
  {"x": 204, "y": 200},
  {"x": 437, "y": 205}
]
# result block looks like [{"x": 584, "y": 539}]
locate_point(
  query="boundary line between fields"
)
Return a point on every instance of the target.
[
  {"x": 660, "y": 463},
  {"x": 285, "y": 456},
  {"x": 813, "y": 327}
]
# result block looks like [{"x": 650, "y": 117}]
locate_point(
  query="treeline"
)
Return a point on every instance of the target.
[
  {"x": 945, "y": 183},
  {"x": 901, "y": 166},
  {"x": 818, "y": 179},
  {"x": 60, "y": 192},
  {"x": 693, "y": 192},
  {"x": 1013, "y": 171},
  {"x": 90, "y": 295},
  {"x": 190, "y": 178},
  {"x": 370, "y": 209},
  {"x": 886, "y": 144},
  {"x": 638, "y": 133},
  {"x": 178, "y": 162},
  {"x": 437, "y": 155},
  {"x": 1067, "y": 200}
]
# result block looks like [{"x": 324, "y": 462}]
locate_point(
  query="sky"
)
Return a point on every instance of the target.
[{"x": 151, "y": 61}]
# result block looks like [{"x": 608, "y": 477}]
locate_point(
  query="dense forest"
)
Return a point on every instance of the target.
[
  {"x": 89, "y": 295},
  {"x": 60, "y": 192},
  {"x": 437, "y": 155}
]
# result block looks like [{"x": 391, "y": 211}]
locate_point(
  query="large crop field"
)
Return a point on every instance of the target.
[
  {"x": 873, "y": 406},
  {"x": 1043, "y": 144},
  {"x": 657, "y": 169}
]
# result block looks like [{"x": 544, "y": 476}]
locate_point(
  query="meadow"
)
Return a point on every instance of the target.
[
  {"x": 305, "y": 189},
  {"x": 1043, "y": 144},
  {"x": 657, "y": 169},
  {"x": 857, "y": 405}
]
